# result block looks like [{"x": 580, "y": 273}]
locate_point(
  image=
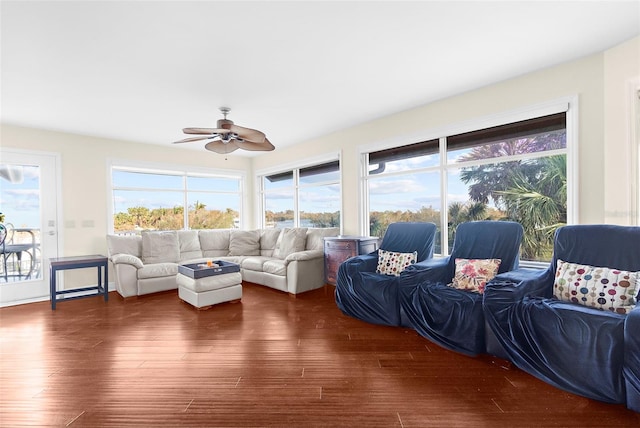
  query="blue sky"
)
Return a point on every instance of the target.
[{"x": 20, "y": 201}]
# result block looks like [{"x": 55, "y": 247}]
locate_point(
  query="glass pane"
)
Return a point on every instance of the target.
[
  {"x": 141, "y": 210},
  {"x": 146, "y": 180},
  {"x": 517, "y": 146},
  {"x": 213, "y": 210},
  {"x": 279, "y": 208},
  {"x": 532, "y": 192},
  {"x": 327, "y": 172},
  {"x": 217, "y": 184},
  {"x": 20, "y": 196},
  {"x": 320, "y": 206},
  {"x": 461, "y": 207},
  {"x": 278, "y": 181},
  {"x": 411, "y": 197}
]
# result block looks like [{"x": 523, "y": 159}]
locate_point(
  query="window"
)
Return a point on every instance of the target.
[
  {"x": 308, "y": 196},
  {"x": 515, "y": 171},
  {"x": 148, "y": 199}
]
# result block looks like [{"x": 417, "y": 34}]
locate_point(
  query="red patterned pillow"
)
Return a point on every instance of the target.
[
  {"x": 473, "y": 274},
  {"x": 392, "y": 263}
]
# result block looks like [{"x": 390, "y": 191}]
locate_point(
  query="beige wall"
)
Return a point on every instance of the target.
[
  {"x": 622, "y": 130},
  {"x": 603, "y": 140}
]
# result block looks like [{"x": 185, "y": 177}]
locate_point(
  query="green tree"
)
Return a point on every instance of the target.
[
  {"x": 538, "y": 202},
  {"x": 487, "y": 181},
  {"x": 531, "y": 191}
]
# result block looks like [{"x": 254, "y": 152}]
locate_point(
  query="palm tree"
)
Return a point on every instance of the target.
[
  {"x": 487, "y": 181},
  {"x": 539, "y": 203}
]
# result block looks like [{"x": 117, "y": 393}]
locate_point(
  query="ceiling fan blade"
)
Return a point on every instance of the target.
[
  {"x": 221, "y": 147},
  {"x": 248, "y": 134},
  {"x": 205, "y": 131},
  {"x": 188, "y": 140},
  {"x": 266, "y": 146}
]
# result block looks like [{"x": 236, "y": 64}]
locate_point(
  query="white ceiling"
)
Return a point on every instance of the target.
[{"x": 143, "y": 70}]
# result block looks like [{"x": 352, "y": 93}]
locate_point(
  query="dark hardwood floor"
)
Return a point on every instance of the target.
[{"x": 271, "y": 360}]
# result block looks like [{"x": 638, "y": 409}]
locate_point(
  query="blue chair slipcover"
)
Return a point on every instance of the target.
[
  {"x": 568, "y": 345},
  {"x": 373, "y": 297},
  {"x": 451, "y": 317},
  {"x": 631, "y": 368}
]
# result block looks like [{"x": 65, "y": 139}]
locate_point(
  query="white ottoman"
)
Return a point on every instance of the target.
[{"x": 206, "y": 291}]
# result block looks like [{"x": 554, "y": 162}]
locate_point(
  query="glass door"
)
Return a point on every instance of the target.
[{"x": 28, "y": 203}]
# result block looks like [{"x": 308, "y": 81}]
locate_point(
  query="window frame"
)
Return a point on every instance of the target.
[
  {"x": 568, "y": 105},
  {"x": 176, "y": 170},
  {"x": 294, "y": 167}
]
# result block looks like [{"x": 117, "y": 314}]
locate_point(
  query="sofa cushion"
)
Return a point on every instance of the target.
[
  {"x": 160, "y": 246},
  {"x": 157, "y": 270},
  {"x": 268, "y": 239},
  {"x": 291, "y": 240},
  {"x": 596, "y": 287},
  {"x": 214, "y": 242},
  {"x": 315, "y": 236},
  {"x": 473, "y": 274},
  {"x": 124, "y": 244},
  {"x": 189, "y": 244},
  {"x": 275, "y": 267},
  {"x": 254, "y": 262},
  {"x": 244, "y": 243}
]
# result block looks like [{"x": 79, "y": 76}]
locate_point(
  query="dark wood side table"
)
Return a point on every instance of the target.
[
  {"x": 337, "y": 249},
  {"x": 78, "y": 262}
]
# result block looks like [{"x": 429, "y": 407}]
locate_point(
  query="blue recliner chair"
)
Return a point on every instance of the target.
[
  {"x": 569, "y": 344},
  {"x": 363, "y": 293},
  {"x": 631, "y": 367},
  {"x": 448, "y": 316}
]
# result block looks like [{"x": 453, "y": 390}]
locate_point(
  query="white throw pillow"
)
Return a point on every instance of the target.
[
  {"x": 244, "y": 243},
  {"x": 160, "y": 246},
  {"x": 602, "y": 288},
  {"x": 394, "y": 263},
  {"x": 291, "y": 240}
]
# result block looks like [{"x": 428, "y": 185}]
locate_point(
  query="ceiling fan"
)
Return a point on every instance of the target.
[{"x": 228, "y": 137}]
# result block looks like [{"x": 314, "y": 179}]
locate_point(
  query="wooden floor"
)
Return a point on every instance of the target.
[{"x": 271, "y": 360}]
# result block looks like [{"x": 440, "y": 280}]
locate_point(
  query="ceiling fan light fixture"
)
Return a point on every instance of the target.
[{"x": 228, "y": 134}]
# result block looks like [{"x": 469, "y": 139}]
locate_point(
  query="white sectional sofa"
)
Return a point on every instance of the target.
[{"x": 290, "y": 260}]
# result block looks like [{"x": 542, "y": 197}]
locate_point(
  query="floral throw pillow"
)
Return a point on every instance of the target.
[
  {"x": 392, "y": 263},
  {"x": 473, "y": 274},
  {"x": 596, "y": 287}
]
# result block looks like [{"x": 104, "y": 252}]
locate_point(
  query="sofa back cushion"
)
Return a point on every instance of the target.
[
  {"x": 315, "y": 236},
  {"x": 291, "y": 240},
  {"x": 268, "y": 239},
  {"x": 214, "y": 242},
  {"x": 244, "y": 243},
  {"x": 124, "y": 244},
  {"x": 189, "y": 244},
  {"x": 160, "y": 246}
]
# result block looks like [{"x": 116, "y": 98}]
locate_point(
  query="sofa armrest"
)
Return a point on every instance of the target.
[
  {"x": 127, "y": 259},
  {"x": 631, "y": 368},
  {"x": 361, "y": 263},
  {"x": 304, "y": 255},
  {"x": 304, "y": 274},
  {"x": 516, "y": 284}
]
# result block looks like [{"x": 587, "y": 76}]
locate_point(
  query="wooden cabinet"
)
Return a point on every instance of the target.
[{"x": 339, "y": 248}]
